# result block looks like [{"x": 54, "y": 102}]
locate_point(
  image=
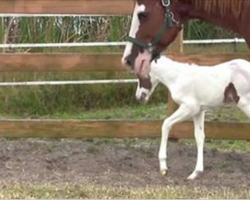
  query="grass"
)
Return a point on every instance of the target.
[
  {"x": 70, "y": 191},
  {"x": 150, "y": 111},
  {"x": 139, "y": 112},
  {"x": 223, "y": 145},
  {"x": 215, "y": 48}
]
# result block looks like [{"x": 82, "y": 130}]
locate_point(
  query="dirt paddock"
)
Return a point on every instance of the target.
[{"x": 131, "y": 163}]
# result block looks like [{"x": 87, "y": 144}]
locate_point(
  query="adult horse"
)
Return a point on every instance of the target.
[{"x": 156, "y": 23}]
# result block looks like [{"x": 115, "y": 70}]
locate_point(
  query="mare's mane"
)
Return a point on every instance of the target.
[{"x": 221, "y": 7}]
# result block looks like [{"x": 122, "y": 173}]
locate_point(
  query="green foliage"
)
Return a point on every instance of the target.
[
  {"x": 197, "y": 29},
  {"x": 63, "y": 29},
  {"x": 33, "y": 101}
]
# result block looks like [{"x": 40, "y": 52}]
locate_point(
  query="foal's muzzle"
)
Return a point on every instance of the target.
[{"x": 142, "y": 98}]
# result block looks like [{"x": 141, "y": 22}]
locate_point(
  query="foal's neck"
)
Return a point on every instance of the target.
[{"x": 167, "y": 70}]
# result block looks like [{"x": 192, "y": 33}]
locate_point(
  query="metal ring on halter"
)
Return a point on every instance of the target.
[
  {"x": 150, "y": 48},
  {"x": 174, "y": 20},
  {"x": 166, "y": 3}
]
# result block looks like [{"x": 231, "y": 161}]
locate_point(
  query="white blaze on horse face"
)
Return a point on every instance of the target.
[{"x": 133, "y": 30}]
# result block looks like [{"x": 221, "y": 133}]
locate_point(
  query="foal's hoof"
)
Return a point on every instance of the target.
[
  {"x": 195, "y": 175},
  {"x": 164, "y": 172}
]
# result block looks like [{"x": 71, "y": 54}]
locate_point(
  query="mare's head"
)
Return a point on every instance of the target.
[
  {"x": 145, "y": 88},
  {"x": 155, "y": 24}
]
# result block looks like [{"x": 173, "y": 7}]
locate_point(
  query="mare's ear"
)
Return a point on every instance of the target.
[{"x": 159, "y": 4}]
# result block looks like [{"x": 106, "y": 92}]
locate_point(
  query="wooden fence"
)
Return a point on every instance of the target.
[{"x": 97, "y": 62}]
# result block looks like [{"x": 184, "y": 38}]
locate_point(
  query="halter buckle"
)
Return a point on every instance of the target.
[
  {"x": 177, "y": 22},
  {"x": 166, "y": 3}
]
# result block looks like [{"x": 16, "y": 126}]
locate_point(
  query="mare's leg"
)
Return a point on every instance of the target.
[
  {"x": 199, "y": 138},
  {"x": 184, "y": 112}
]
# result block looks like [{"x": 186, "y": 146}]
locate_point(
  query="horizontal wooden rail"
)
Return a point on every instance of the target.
[
  {"x": 61, "y": 62},
  {"x": 93, "y": 62},
  {"x": 67, "y": 6},
  {"x": 116, "y": 129},
  {"x": 78, "y": 129}
]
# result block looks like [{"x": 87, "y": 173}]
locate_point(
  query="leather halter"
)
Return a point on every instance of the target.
[{"x": 168, "y": 23}]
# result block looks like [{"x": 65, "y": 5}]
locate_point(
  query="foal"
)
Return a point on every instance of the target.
[{"x": 196, "y": 88}]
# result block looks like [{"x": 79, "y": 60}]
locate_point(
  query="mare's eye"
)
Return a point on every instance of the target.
[{"x": 142, "y": 16}]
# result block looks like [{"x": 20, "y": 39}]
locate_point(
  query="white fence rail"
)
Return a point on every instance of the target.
[
  {"x": 62, "y": 45},
  {"x": 85, "y": 82},
  {"x": 215, "y": 41},
  {"x": 109, "y": 44}
]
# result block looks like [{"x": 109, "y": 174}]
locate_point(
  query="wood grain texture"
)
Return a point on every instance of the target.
[
  {"x": 67, "y": 6},
  {"x": 93, "y": 61},
  {"x": 61, "y": 62},
  {"x": 79, "y": 129},
  {"x": 116, "y": 129}
]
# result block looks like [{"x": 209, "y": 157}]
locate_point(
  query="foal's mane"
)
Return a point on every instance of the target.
[{"x": 221, "y": 7}]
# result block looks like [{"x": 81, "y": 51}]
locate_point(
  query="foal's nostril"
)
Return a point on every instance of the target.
[{"x": 128, "y": 61}]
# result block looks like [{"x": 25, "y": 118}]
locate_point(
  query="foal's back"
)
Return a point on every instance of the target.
[
  {"x": 209, "y": 84},
  {"x": 213, "y": 83}
]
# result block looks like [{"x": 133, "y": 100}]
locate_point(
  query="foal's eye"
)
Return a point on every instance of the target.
[{"x": 142, "y": 16}]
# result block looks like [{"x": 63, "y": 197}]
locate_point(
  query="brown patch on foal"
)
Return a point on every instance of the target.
[
  {"x": 230, "y": 94},
  {"x": 145, "y": 83}
]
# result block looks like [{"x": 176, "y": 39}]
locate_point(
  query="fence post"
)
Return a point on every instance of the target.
[{"x": 235, "y": 44}]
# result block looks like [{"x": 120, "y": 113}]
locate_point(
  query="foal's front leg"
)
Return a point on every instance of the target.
[
  {"x": 181, "y": 114},
  {"x": 199, "y": 138}
]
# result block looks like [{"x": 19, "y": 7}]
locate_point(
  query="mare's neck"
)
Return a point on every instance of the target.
[{"x": 228, "y": 21}]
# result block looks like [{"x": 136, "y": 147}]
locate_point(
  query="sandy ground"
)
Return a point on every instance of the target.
[{"x": 131, "y": 163}]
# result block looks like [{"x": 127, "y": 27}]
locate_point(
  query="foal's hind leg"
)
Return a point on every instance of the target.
[
  {"x": 244, "y": 105},
  {"x": 199, "y": 138}
]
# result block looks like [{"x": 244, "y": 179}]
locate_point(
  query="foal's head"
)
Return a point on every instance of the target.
[
  {"x": 155, "y": 24},
  {"x": 145, "y": 88}
]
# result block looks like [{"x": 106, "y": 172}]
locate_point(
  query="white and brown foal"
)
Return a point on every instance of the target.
[{"x": 196, "y": 88}]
